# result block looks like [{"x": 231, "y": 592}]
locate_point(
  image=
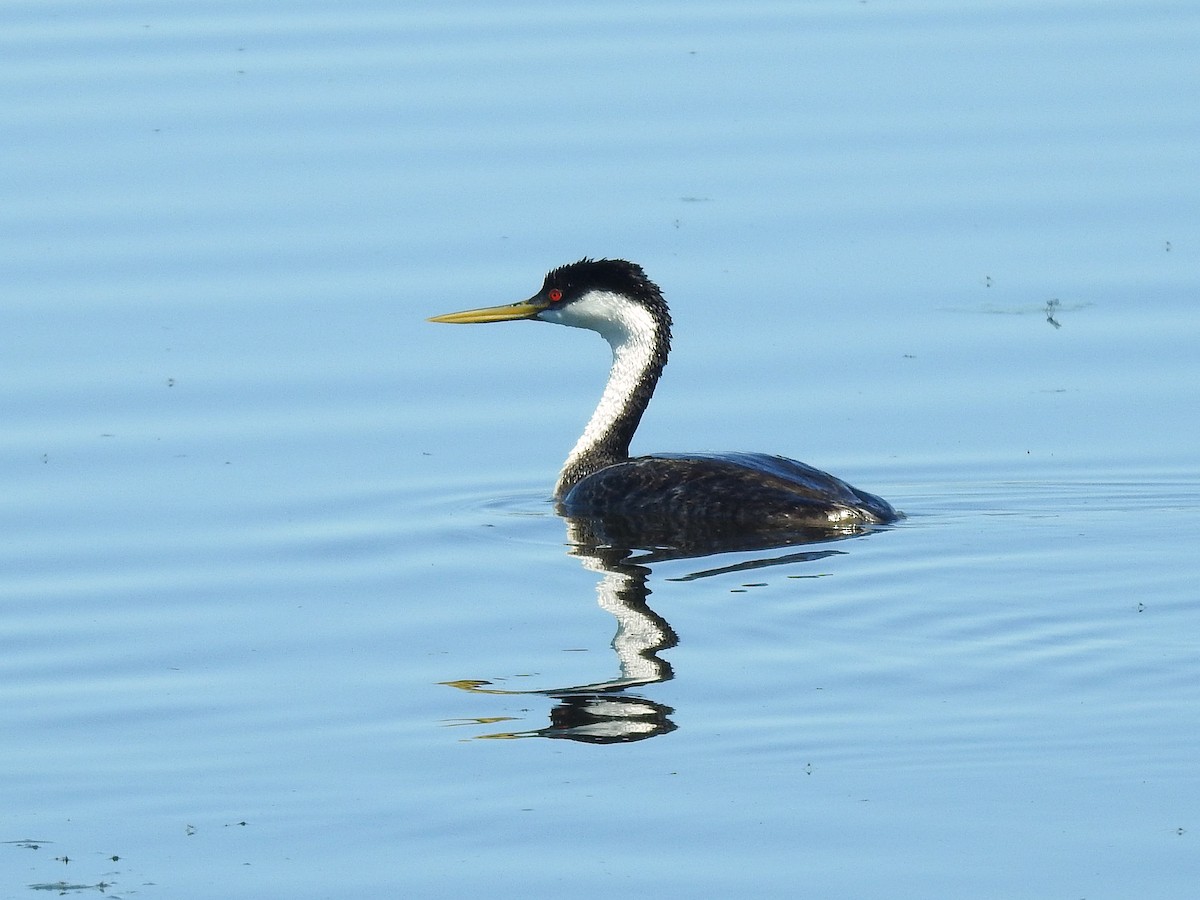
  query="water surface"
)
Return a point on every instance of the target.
[{"x": 286, "y": 610}]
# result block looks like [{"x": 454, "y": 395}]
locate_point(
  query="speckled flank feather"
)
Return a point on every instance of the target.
[{"x": 736, "y": 492}]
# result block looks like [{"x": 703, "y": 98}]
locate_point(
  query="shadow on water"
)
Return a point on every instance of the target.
[{"x": 623, "y": 554}]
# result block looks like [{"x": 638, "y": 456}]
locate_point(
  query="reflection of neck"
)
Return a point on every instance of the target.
[
  {"x": 641, "y": 633},
  {"x": 638, "y": 636}
]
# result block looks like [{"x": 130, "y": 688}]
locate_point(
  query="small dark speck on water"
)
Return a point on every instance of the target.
[{"x": 1051, "y": 308}]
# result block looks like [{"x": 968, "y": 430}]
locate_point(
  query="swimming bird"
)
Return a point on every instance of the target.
[{"x": 734, "y": 492}]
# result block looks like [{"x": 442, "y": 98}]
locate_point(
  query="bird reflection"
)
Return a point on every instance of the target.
[{"x": 623, "y": 553}]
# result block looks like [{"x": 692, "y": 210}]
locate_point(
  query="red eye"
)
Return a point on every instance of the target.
[{"x": 554, "y": 294}]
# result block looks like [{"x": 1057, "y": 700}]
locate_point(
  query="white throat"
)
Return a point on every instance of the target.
[{"x": 629, "y": 330}]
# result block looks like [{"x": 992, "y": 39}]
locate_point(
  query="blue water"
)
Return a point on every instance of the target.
[{"x": 284, "y": 609}]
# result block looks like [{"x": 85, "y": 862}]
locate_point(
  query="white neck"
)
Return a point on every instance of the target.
[
  {"x": 630, "y": 331},
  {"x": 629, "y": 361}
]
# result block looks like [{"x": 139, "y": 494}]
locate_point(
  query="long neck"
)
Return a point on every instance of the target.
[{"x": 640, "y": 341}]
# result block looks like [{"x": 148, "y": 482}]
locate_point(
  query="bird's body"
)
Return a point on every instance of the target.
[
  {"x": 733, "y": 492},
  {"x": 746, "y": 491}
]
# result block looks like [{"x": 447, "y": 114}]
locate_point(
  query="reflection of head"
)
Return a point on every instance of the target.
[{"x": 608, "y": 719}]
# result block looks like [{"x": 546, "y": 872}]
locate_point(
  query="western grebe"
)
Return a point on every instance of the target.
[{"x": 734, "y": 491}]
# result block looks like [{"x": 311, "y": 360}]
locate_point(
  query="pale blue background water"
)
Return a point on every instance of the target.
[{"x": 256, "y": 510}]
